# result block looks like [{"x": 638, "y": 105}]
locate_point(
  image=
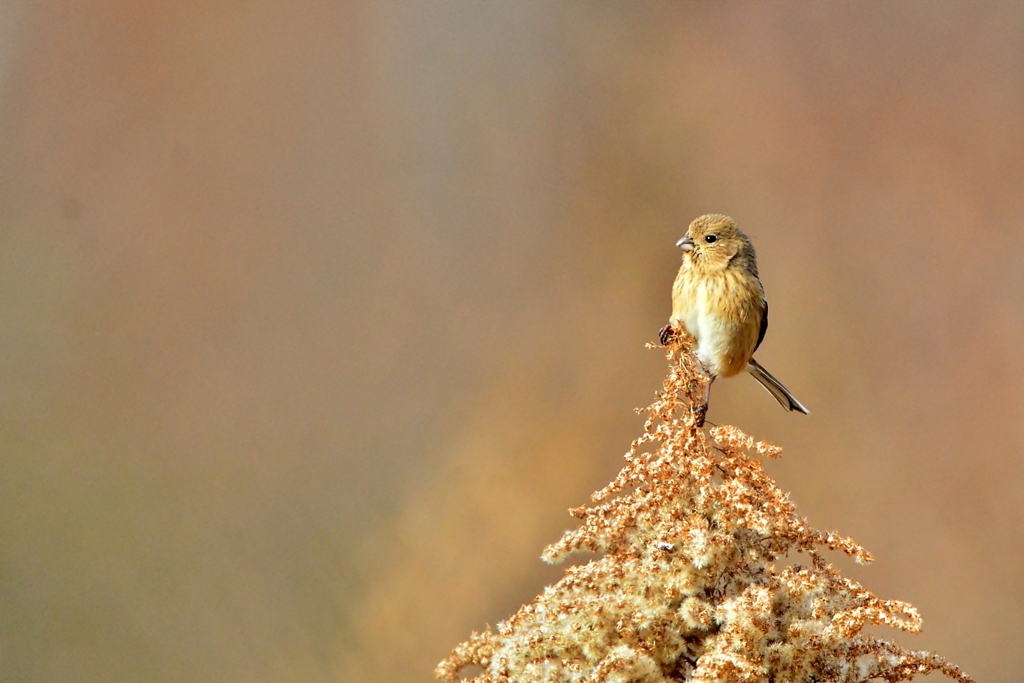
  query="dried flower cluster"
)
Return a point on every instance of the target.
[{"x": 686, "y": 587}]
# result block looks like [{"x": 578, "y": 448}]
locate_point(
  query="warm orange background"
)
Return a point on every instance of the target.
[{"x": 315, "y": 317}]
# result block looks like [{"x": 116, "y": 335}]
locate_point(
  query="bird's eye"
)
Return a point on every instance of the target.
[{"x": 710, "y": 238}]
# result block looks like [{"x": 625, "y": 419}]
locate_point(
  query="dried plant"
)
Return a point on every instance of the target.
[{"x": 686, "y": 587}]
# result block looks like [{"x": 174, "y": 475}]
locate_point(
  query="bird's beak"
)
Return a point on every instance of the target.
[{"x": 686, "y": 244}]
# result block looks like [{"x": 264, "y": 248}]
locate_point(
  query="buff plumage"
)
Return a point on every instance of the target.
[{"x": 718, "y": 299}]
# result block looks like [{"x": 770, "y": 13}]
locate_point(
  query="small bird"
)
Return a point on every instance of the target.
[{"x": 718, "y": 298}]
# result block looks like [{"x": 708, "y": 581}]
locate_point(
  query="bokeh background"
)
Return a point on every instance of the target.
[{"x": 316, "y": 317}]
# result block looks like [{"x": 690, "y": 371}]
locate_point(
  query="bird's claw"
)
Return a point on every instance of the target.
[
  {"x": 667, "y": 335},
  {"x": 700, "y": 413}
]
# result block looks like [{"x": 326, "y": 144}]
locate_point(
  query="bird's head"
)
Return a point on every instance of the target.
[{"x": 713, "y": 241}]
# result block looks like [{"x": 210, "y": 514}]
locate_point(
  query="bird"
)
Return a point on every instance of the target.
[{"x": 718, "y": 299}]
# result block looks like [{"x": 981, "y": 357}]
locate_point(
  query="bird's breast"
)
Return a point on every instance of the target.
[
  {"x": 723, "y": 314},
  {"x": 696, "y": 303}
]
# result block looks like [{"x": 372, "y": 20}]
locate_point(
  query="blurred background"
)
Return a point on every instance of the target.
[{"x": 316, "y": 317}]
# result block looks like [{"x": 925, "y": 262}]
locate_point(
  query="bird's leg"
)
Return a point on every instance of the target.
[
  {"x": 670, "y": 335},
  {"x": 702, "y": 410}
]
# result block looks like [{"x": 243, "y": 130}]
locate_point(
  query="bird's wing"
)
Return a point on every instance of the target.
[{"x": 764, "y": 322}]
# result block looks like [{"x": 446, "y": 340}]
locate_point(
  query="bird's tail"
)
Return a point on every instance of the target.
[{"x": 775, "y": 388}]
